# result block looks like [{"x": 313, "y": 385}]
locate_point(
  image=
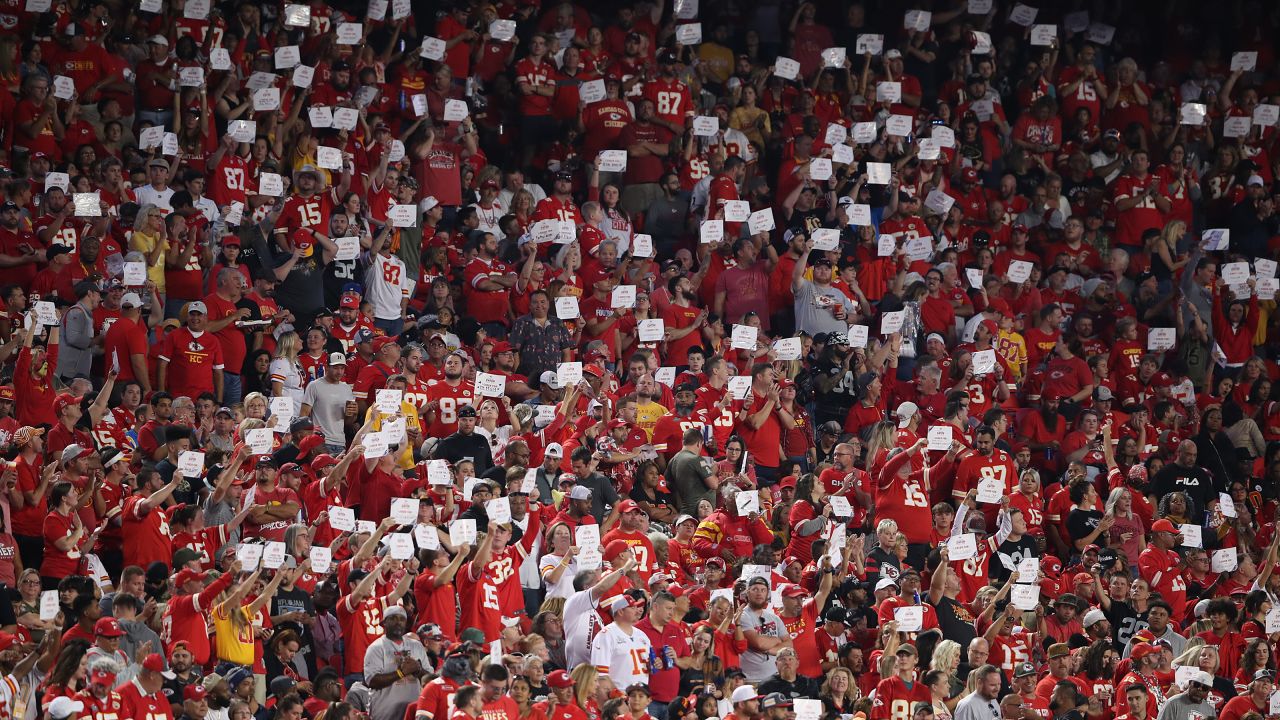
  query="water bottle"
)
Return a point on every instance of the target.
[{"x": 667, "y": 663}]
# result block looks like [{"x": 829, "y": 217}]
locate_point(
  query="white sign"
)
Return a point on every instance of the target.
[
  {"x": 748, "y": 502},
  {"x": 191, "y": 464},
  {"x": 819, "y": 169},
  {"x": 642, "y": 245},
  {"x": 1160, "y": 339},
  {"x": 761, "y": 221},
  {"x": 287, "y": 56},
  {"x": 400, "y": 545},
  {"x": 623, "y": 296},
  {"x": 886, "y": 245},
  {"x": 490, "y": 385},
  {"x": 984, "y": 362},
  {"x": 890, "y": 92},
  {"x": 1226, "y": 505},
  {"x": 1235, "y": 273},
  {"x": 711, "y": 231},
  {"x": 1192, "y": 114},
  {"x": 320, "y": 116},
  {"x": 689, "y": 33},
  {"x": 806, "y": 708},
  {"x": 981, "y": 43},
  {"x": 909, "y": 618},
  {"x": 940, "y": 437},
  {"x": 342, "y": 519},
  {"x": 990, "y": 490},
  {"x": 462, "y": 532},
  {"x": 87, "y": 204},
  {"x": 1028, "y": 570},
  {"x": 1191, "y": 536},
  {"x": 249, "y": 555},
  {"x": 918, "y": 20},
  {"x": 706, "y": 126},
  {"x": 786, "y": 68},
  {"x": 873, "y": 44},
  {"x": 891, "y": 322},
  {"x": 49, "y": 605},
  {"x": 567, "y": 308},
  {"x": 737, "y": 210},
  {"x": 842, "y": 154},
  {"x": 375, "y": 445},
  {"x": 1025, "y": 597},
  {"x": 498, "y": 510},
  {"x": 63, "y": 87},
  {"x": 833, "y": 57},
  {"x": 433, "y": 47},
  {"x": 612, "y": 161},
  {"x": 858, "y": 335},
  {"x": 962, "y": 547},
  {"x": 651, "y": 330},
  {"x": 825, "y": 239},
  {"x": 744, "y": 337},
  {"x": 568, "y": 373},
  {"x": 191, "y": 76},
  {"x": 388, "y": 400},
  {"x": 739, "y": 386},
  {"x": 1019, "y": 271},
  {"x": 879, "y": 173},
  {"x": 46, "y": 314},
  {"x": 1044, "y": 35},
  {"x": 438, "y": 472},
  {"x": 455, "y": 110},
  {"x": 403, "y": 215},
  {"x": 273, "y": 555},
  {"x": 350, "y": 33},
  {"x": 135, "y": 274},
  {"x": 865, "y": 132},
  {"x": 939, "y": 202},
  {"x": 404, "y": 511},
  {"x": 502, "y": 30},
  {"x": 270, "y": 185},
  {"x": 266, "y": 99},
  {"x": 348, "y": 248},
  {"x": 1266, "y": 115},
  {"x": 1246, "y": 61},
  {"x": 321, "y": 559},
  {"x": 1023, "y": 15},
  {"x": 345, "y": 118},
  {"x": 840, "y": 506},
  {"x": 1223, "y": 560},
  {"x": 297, "y": 15}
]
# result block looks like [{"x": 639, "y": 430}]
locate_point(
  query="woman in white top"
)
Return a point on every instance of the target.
[
  {"x": 286, "y": 371},
  {"x": 495, "y": 434},
  {"x": 559, "y": 565}
]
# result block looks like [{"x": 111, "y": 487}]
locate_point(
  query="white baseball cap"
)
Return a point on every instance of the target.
[
  {"x": 905, "y": 412},
  {"x": 337, "y": 358},
  {"x": 554, "y": 450},
  {"x": 743, "y": 693},
  {"x": 130, "y": 300}
]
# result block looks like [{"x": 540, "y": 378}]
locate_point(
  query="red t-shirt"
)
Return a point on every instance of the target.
[
  {"x": 58, "y": 563},
  {"x": 146, "y": 534},
  {"x": 192, "y": 361},
  {"x": 231, "y": 337},
  {"x": 273, "y": 530}
]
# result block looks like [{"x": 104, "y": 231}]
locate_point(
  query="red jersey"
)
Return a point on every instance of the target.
[
  {"x": 192, "y": 359},
  {"x": 184, "y": 619},
  {"x": 482, "y": 591},
  {"x": 894, "y": 699},
  {"x": 146, "y": 534},
  {"x": 536, "y": 75},
  {"x": 486, "y": 305},
  {"x": 361, "y": 626},
  {"x": 1131, "y": 223},
  {"x": 450, "y": 398},
  {"x": 306, "y": 212},
  {"x": 671, "y": 100},
  {"x": 227, "y": 180},
  {"x": 138, "y": 704}
]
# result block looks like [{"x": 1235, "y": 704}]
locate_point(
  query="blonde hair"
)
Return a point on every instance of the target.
[
  {"x": 945, "y": 656},
  {"x": 839, "y": 670},
  {"x": 585, "y": 677},
  {"x": 288, "y": 345}
]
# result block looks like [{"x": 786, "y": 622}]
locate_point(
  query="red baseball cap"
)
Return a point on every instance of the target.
[
  {"x": 349, "y": 301},
  {"x": 969, "y": 175},
  {"x": 1082, "y": 578},
  {"x": 194, "y": 692},
  {"x": 793, "y": 591},
  {"x": 1163, "y": 525},
  {"x": 1001, "y": 306},
  {"x": 381, "y": 342},
  {"x": 323, "y": 461},
  {"x": 593, "y": 369},
  {"x": 306, "y": 445},
  {"x": 559, "y": 679},
  {"x": 102, "y": 677},
  {"x": 108, "y": 627},
  {"x": 61, "y": 402},
  {"x": 187, "y": 575},
  {"x": 293, "y": 468},
  {"x": 629, "y": 505},
  {"x": 502, "y": 346}
]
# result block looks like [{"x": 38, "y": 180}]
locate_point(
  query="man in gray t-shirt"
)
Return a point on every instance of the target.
[
  {"x": 328, "y": 400},
  {"x": 394, "y": 666},
  {"x": 765, "y": 632},
  {"x": 820, "y": 307},
  {"x": 1191, "y": 705}
]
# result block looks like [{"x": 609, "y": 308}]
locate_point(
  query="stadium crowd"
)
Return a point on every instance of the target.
[{"x": 527, "y": 360}]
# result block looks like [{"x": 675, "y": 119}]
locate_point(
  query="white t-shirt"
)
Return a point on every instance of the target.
[
  {"x": 562, "y": 588},
  {"x": 148, "y": 195},
  {"x": 625, "y": 656},
  {"x": 581, "y": 623},
  {"x": 290, "y": 376},
  {"x": 387, "y": 283}
]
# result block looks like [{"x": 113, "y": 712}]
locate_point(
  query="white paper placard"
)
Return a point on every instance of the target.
[
  {"x": 835, "y": 134},
  {"x": 787, "y": 348},
  {"x": 191, "y": 76},
  {"x": 886, "y": 245},
  {"x": 737, "y": 210},
  {"x": 586, "y": 536},
  {"x": 348, "y": 248},
  {"x": 842, "y": 154},
  {"x": 568, "y": 373},
  {"x": 940, "y": 438},
  {"x": 169, "y": 144},
  {"x": 666, "y": 376},
  {"x": 642, "y": 245},
  {"x": 366, "y": 527},
  {"x": 1236, "y": 126},
  {"x": 419, "y": 104},
  {"x": 462, "y": 532},
  {"x": 345, "y": 118},
  {"x": 984, "y": 362},
  {"x": 589, "y": 557},
  {"x": 58, "y": 180},
  {"x": 266, "y": 99},
  {"x": 191, "y": 464},
  {"x": 404, "y": 511},
  {"x": 270, "y": 185},
  {"x": 320, "y": 116},
  {"x": 612, "y": 161},
  {"x": 287, "y": 56},
  {"x": 858, "y": 335},
  {"x": 806, "y": 708},
  {"x": 623, "y": 296},
  {"x": 981, "y": 43},
  {"x": 349, "y": 33},
  {"x": 879, "y": 173},
  {"x": 944, "y": 136},
  {"x": 819, "y": 170},
  {"x": 840, "y": 506},
  {"x": 403, "y": 215},
  {"x": 962, "y": 547},
  {"x": 297, "y": 15},
  {"x": 567, "y": 308},
  {"x": 38, "y": 6},
  {"x": 1272, "y": 626},
  {"x": 990, "y": 490},
  {"x": 150, "y": 6},
  {"x": 1216, "y": 239},
  {"x": 919, "y": 248},
  {"x": 888, "y": 91},
  {"x": 760, "y": 221},
  {"x": 1246, "y": 61},
  {"x": 87, "y": 204},
  {"x": 321, "y": 559},
  {"x": 689, "y": 33},
  {"x": 974, "y": 276},
  {"x": 342, "y": 519},
  {"x": 243, "y": 130},
  {"x": 1161, "y": 339},
  {"x": 433, "y": 48},
  {"x": 273, "y": 554},
  {"x": 1025, "y": 597},
  {"x": 49, "y": 605},
  {"x": 918, "y": 20},
  {"x": 502, "y": 30},
  {"x": 711, "y": 231},
  {"x": 1264, "y": 269},
  {"x": 706, "y": 126},
  {"x": 1028, "y": 570},
  {"x": 833, "y": 57},
  {"x": 63, "y": 87},
  {"x": 928, "y": 149},
  {"x": 329, "y": 158},
  {"x": 786, "y": 68},
  {"x": 1223, "y": 560},
  {"x": 739, "y": 386},
  {"x": 909, "y": 618},
  {"x": 490, "y": 385},
  {"x": 1191, "y": 536},
  {"x": 455, "y": 110},
  {"x": 388, "y": 400},
  {"x": 1044, "y": 35},
  {"x": 260, "y": 79},
  {"x": 939, "y": 202},
  {"x": 426, "y": 537},
  {"x": 1266, "y": 115},
  {"x": 1023, "y": 15},
  {"x": 499, "y": 510},
  {"x": 744, "y": 337},
  {"x": 399, "y": 545},
  {"x": 591, "y": 91},
  {"x": 865, "y": 132},
  {"x": 258, "y": 440},
  {"x": 1019, "y": 271},
  {"x": 135, "y": 274},
  {"x": 891, "y": 322},
  {"x": 1235, "y": 273},
  {"x": 748, "y": 502},
  {"x": 1076, "y": 21},
  {"x": 1226, "y": 505},
  {"x": 651, "y": 330},
  {"x": 825, "y": 239},
  {"x": 438, "y": 472},
  {"x": 869, "y": 43},
  {"x": 376, "y": 445},
  {"x": 1192, "y": 114},
  {"x": 46, "y": 314},
  {"x": 249, "y": 555}
]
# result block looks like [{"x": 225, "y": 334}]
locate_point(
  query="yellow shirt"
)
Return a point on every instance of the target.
[
  {"x": 230, "y": 645},
  {"x": 145, "y": 243},
  {"x": 647, "y": 415},
  {"x": 1013, "y": 348},
  {"x": 718, "y": 60},
  {"x": 410, "y": 420}
]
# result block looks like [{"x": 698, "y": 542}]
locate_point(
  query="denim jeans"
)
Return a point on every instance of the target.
[
  {"x": 392, "y": 328},
  {"x": 231, "y": 388}
]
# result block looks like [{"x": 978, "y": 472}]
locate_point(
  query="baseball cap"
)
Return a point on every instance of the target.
[
  {"x": 155, "y": 663},
  {"x": 1092, "y": 617},
  {"x": 130, "y": 300},
  {"x": 629, "y": 505},
  {"x": 61, "y": 402},
  {"x": 743, "y": 693},
  {"x": 554, "y": 450},
  {"x": 1025, "y": 669},
  {"x": 194, "y": 692},
  {"x": 197, "y": 306},
  {"x": 560, "y": 679},
  {"x": 886, "y": 582},
  {"x": 64, "y": 707},
  {"x": 382, "y": 342},
  {"x": 73, "y": 451},
  {"x": 622, "y": 602},
  {"x": 108, "y": 627},
  {"x": 1140, "y": 651},
  {"x": 580, "y": 492},
  {"x": 793, "y": 591},
  {"x": 337, "y": 358},
  {"x": 775, "y": 699},
  {"x": 1163, "y": 525},
  {"x": 893, "y": 54},
  {"x": 1058, "y": 650},
  {"x": 905, "y": 412},
  {"x": 349, "y": 301}
]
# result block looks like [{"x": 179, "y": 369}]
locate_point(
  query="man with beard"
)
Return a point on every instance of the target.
[
  {"x": 465, "y": 442},
  {"x": 542, "y": 341},
  {"x": 191, "y": 359},
  {"x": 1193, "y": 703},
  {"x": 330, "y": 403},
  {"x": 819, "y": 306},
  {"x": 19, "y": 248},
  {"x": 487, "y": 287},
  {"x": 224, "y": 312},
  {"x": 58, "y": 225},
  {"x": 765, "y": 632},
  {"x": 446, "y": 398},
  {"x": 394, "y": 666},
  {"x": 504, "y": 364},
  {"x": 350, "y": 321},
  {"x": 376, "y": 375},
  {"x": 835, "y": 381},
  {"x": 99, "y": 698}
]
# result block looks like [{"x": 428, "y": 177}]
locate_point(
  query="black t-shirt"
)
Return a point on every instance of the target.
[
  {"x": 955, "y": 620},
  {"x": 1015, "y": 551},
  {"x": 1082, "y": 522},
  {"x": 1196, "y": 482},
  {"x": 1125, "y": 622}
]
